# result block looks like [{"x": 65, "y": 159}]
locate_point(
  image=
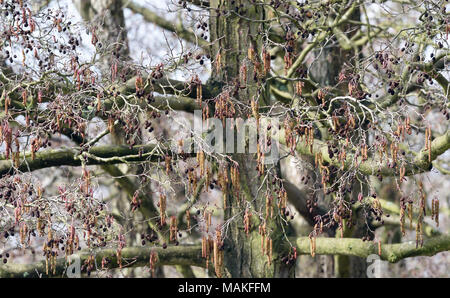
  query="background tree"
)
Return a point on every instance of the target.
[{"x": 98, "y": 158}]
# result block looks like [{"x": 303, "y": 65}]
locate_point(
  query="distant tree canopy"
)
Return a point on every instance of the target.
[{"x": 99, "y": 160}]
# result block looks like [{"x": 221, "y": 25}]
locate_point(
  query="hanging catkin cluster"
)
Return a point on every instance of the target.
[
  {"x": 428, "y": 142},
  {"x": 173, "y": 229},
  {"x": 435, "y": 211},
  {"x": 218, "y": 253},
  {"x": 223, "y": 181},
  {"x": 207, "y": 248},
  {"x": 235, "y": 180},
  {"x": 224, "y": 107},
  {"x": 153, "y": 260},
  {"x": 266, "y": 61},
  {"x": 247, "y": 221},
  {"x": 312, "y": 244},
  {"x": 162, "y": 209}
]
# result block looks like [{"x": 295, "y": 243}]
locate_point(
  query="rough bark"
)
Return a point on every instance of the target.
[{"x": 234, "y": 36}]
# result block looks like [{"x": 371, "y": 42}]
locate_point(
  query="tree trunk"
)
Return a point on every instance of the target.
[{"x": 233, "y": 36}]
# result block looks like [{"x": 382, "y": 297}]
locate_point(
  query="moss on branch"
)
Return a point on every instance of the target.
[
  {"x": 421, "y": 163},
  {"x": 389, "y": 252},
  {"x": 98, "y": 155},
  {"x": 131, "y": 257}
]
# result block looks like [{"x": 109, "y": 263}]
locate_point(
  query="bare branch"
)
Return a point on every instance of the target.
[
  {"x": 154, "y": 18},
  {"x": 298, "y": 198}
]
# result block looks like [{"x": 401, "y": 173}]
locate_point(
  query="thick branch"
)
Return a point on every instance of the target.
[
  {"x": 170, "y": 86},
  {"x": 389, "y": 252},
  {"x": 421, "y": 163},
  {"x": 105, "y": 154},
  {"x": 177, "y": 103},
  {"x": 154, "y": 18},
  {"x": 131, "y": 257},
  {"x": 191, "y": 255}
]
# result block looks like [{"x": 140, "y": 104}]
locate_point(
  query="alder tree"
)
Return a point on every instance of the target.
[{"x": 326, "y": 112}]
